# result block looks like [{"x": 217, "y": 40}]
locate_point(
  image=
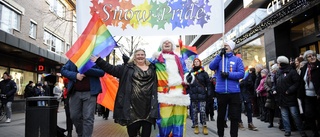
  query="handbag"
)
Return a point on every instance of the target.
[{"x": 269, "y": 103}]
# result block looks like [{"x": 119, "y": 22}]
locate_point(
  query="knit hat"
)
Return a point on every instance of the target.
[
  {"x": 283, "y": 59},
  {"x": 167, "y": 39},
  {"x": 264, "y": 71},
  {"x": 307, "y": 53},
  {"x": 274, "y": 67},
  {"x": 231, "y": 44}
]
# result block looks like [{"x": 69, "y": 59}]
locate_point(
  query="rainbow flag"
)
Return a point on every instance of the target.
[
  {"x": 109, "y": 85},
  {"x": 45, "y": 74},
  {"x": 187, "y": 51},
  {"x": 95, "y": 40},
  {"x": 246, "y": 72}
]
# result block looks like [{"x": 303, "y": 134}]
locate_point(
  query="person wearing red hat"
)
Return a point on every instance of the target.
[{"x": 198, "y": 89}]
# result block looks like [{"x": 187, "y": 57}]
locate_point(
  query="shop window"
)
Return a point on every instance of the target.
[
  {"x": 303, "y": 49},
  {"x": 9, "y": 19},
  {"x": 302, "y": 30},
  {"x": 312, "y": 47},
  {"x": 253, "y": 53},
  {"x": 20, "y": 77},
  {"x": 319, "y": 21},
  {"x": 2, "y": 70},
  {"x": 318, "y": 51}
]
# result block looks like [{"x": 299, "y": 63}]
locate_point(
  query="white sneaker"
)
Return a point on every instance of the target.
[{"x": 8, "y": 120}]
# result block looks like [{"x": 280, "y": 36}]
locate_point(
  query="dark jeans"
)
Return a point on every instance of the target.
[
  {"x": 134, "y": 128},
  {"x": 271, "y": 115},
  {"x": 262, "y": 108},
  {"x": 233, "y": 101},
  {"x": 255, "y": 107},
  {"x": 246, "y": 99},
  {"x": 68, "y": 119},
  {"x": 209, "y": 108},
  {"x": 312, "y": 112},
  {"x": 248, "y": 108},
  {"x": 294, "y": 111}
]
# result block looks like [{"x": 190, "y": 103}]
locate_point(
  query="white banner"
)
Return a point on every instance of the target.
[{"x": 148, "y": 18}]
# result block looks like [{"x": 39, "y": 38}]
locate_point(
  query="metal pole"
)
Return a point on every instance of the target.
[
  {"x": 223, "y": 56},
  {"x": 114, "y": 56}
]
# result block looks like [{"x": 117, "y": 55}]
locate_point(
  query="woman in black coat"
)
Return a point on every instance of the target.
[
  {"x": 199, "y": 88},
  {"x": 136, "y": 102},
  {"x": 286, "y": 87},
  {"x": 309, "y": 91}
]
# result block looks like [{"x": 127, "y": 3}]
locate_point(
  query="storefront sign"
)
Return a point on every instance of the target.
[
  {"x": 41, "y": 68},
  {"x": 275, "y": 5}
]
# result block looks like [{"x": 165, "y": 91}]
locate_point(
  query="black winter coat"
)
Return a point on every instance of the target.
[
  {"x": 200, "y": 88},
  {"x": 122, "y": 106},
  {"x": 257, "y": 82},
  {"x": 315, "y": 78},
  {"x": 287, "y": 80},
  {"x": 9, "y": 88},
  {"x": 247, "y": 87}
]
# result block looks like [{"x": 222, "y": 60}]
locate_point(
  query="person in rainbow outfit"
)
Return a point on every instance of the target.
[{"x": 172, "y": 96}]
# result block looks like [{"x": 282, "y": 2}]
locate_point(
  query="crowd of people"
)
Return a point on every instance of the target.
[
  {"x": 159, "y": 91},
  {"x": 288, "y": 90}
]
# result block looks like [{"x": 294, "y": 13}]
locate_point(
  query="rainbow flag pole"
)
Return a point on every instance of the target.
[
  {"x": 95, "y": 40},
  {"x": 187, "y": 51}
]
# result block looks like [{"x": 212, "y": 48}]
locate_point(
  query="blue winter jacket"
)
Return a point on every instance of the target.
[
  {"x": 69, "y": 70},
  {"x": 234, "y": 66}
]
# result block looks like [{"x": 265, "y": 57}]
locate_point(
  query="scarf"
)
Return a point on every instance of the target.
[
  {"x": 197, "y": 70},
  {"x": 161, "y": 60},
  {"x": 310, "y": 66}
]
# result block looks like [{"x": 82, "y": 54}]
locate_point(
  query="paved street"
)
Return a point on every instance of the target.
[{"x": 107, "y": 128}]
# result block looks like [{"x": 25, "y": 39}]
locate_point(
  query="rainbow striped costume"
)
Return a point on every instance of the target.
[{"x": 172, "y": 100}]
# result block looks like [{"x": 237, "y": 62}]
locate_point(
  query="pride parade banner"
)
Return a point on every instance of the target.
[{"x": 154, "y": 17}]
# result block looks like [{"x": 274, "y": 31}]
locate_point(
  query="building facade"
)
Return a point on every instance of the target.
[
  {"x": 34, "y": 37},
  {"x": 264, "y": 30}
]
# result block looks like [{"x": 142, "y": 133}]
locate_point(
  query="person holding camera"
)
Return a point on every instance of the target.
[{"x": 229, "y": 70}]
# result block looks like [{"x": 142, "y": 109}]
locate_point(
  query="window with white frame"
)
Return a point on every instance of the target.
[
  {"x": 9, "y": 19},
  {"x": 57, "y": 7},
  {"x": 33, "y": 30},
  {"x": 54, "y": 43}
]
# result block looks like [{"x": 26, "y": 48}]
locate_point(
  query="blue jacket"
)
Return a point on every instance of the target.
[
  {"x": 234, "y": 66},
  {"x": 69, "y": 70}
]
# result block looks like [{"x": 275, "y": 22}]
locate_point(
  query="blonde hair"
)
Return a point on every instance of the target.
[{"x": 134, "y": 55}]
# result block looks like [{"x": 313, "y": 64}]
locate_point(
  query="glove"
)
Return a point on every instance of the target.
[
  {"x": 223, "y": 51},
  {"x": 125, "y": 58},
  {"x": 189, "y": 78},
  {"x": 224, "y": 74}
]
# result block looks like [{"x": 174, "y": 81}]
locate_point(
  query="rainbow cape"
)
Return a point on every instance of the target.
[
  {"x": 95, "y": 40},
  {"x": 187, "y": 51}
]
